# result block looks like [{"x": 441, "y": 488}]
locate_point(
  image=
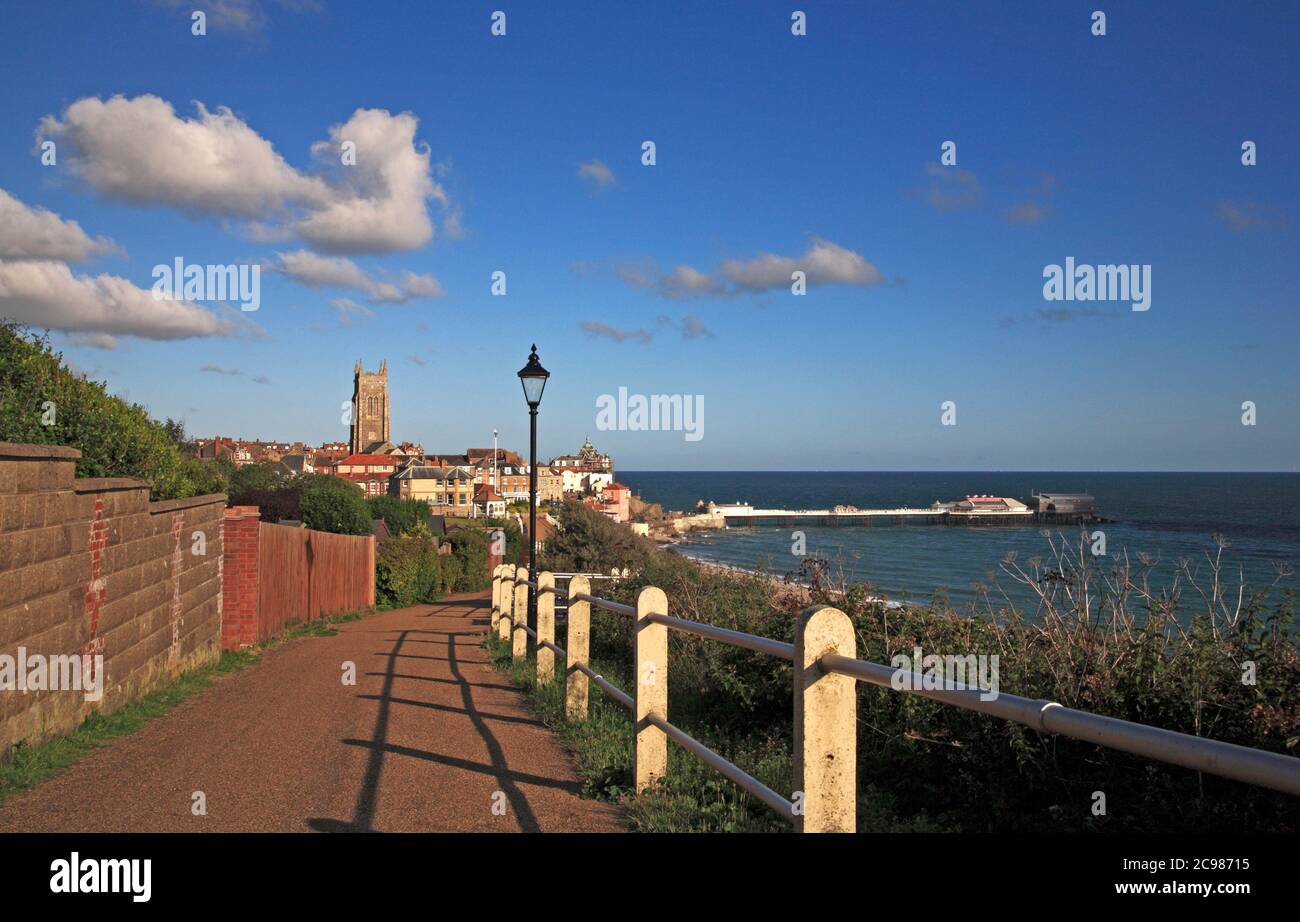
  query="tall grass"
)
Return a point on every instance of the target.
[{"x": 1204, "y": 656}]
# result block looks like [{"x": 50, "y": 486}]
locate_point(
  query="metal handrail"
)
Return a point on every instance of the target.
[
  {"x": 729, "y": 769},
  {"x": 1254, "y": 766},
  {"x": 1241, "y": 763},
  {"x": 726, "y": 635}
]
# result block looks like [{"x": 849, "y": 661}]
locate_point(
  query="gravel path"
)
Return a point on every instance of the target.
[{"x": 430, "y": 738}]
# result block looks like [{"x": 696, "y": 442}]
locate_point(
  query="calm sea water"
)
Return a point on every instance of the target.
[{"x": 1167, "y": 516}]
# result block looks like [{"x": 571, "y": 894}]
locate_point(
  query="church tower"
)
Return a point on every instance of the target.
[{"x": 370, "y": 431}]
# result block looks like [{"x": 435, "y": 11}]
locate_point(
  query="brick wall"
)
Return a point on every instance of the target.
[
  {"x": 239, "y": 625},
  {"x": 91, "y": 566}
]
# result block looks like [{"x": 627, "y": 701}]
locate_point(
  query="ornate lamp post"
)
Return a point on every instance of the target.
[{"x": 533, "y": 377}]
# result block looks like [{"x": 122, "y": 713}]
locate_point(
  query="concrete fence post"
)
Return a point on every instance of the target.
[
  {"x": 496, "y": 598},
  {"x": 575, "y": 681},
  {"x": 651, "y": 642},
  {"x": 545, "y": 627},
  {"x": 520, "y": 609},
  {"x": 825, "y": 724},
  {"x": 507, "y": 602}
]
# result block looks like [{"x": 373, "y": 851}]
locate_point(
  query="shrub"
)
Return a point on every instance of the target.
[
  {"x": 470, "y": 549},
  {"x": 115, "y": 438},
  {"x": 409, "y": 571},
  {"x": 588, "y": 541},
  {"x": 1130, "y": 654},
  {"x": 335, "y": 505},
  {"x": 402, "y": 516}
]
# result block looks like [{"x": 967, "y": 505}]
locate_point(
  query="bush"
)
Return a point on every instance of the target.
[
  {"x": 409, "y": 571},
  {"x": 276, "y": 505},
  {"x": 333, "y": 504},
  {"x": 590, "y": 542},
  {"x": 1134, "y": 656},
  {"x": 115, "y": 438},
  {"x": 402, "y": 516},
  {"x": 470, "y": 549}
]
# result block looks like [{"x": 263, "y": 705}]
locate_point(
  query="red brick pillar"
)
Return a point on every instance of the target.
[{"x": 239, "y": 590}]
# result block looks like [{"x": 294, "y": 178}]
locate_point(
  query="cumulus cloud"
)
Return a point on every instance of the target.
[
  {"x": 693, "y": 328},
  {"x": 597, "y": 172},
  {"x": 598, "y": 330},
  {"x": 246, "y": 16},
  {"x": 348, "y": 308},
  {"x": 38, "y": 233},
  {"x": 379, "y": 203},
  {"x": 140, "y": 151},
  {"x": 949, "y": 188},
  {"x": 1243, "y": 217},
  {"x": 1038, "y": 205},
  {"x": 47, "y": 294},
  {"x": 316, "y": 271},
  {"x": 823, "y": 263}
]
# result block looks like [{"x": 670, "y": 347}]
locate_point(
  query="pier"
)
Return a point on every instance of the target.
[{"x": 972, "y": 510}]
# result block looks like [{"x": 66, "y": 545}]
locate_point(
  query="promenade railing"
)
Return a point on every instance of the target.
[{"x": 826, "y": 673}]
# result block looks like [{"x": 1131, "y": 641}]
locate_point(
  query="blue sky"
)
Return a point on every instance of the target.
[{"x": 1124, "y": 148}]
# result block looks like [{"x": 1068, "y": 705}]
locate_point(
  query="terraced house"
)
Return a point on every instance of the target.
[{"x": 447, "y": 490}]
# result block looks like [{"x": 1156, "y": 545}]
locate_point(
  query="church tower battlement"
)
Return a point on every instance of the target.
[{"x": 370, "y": 417}]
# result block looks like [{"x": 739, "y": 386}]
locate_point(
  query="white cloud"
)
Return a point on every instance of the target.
[
  {"x": 951, "y": 188},
  {"x": 823, "y": 263},
  {"x": 347, "y": 308},
  {"x": 48, "y": 295},
  {"x": 597, "y": 329},
  {"x": 38, "y": 233},
  {"x": 379, "y": 204},
  {"x": 597, "y": 172},
  {"x": 140, "y": 151},
  {"x": 247, "y": 16},
  {"x": 316, "y": 271}
]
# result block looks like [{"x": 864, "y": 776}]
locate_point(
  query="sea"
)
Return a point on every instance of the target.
[{"x": 1167, "y": 517}]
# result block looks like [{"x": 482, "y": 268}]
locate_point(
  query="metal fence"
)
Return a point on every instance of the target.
[{"x": 826, "y": 673}]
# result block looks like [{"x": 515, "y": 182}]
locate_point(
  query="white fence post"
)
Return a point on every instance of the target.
[
  {"x": 651, "y": 642},
  {"x": 520, "y": 639},
  {"x": 575, "y": 643},
  {"x": 545, "y": 627},
  {"x": 825, "y": 724}
]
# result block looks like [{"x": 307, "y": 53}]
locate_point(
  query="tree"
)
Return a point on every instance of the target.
[
  {"x": 335, "y": 505},
  {"x": 591, "y": 542},
  {"x": 45, "y": 403}
]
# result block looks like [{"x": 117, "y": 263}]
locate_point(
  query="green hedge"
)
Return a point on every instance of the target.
[{"x": 409, "y": 571}]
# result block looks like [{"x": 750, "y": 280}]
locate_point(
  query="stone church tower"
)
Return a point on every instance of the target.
[{"x": 370, "y": 431}]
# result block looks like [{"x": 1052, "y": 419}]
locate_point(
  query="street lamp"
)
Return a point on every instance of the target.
[{"x": 533, "y": 377}]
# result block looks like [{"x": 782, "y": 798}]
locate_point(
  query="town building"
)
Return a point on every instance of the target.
[
  {"x": 488, "y": 503},
  {"x": 550, "y": 485},
  {"x": 370, "y": 472},
  {"x": 447, "y": 490},
  {"x": 614, "y": 500}
]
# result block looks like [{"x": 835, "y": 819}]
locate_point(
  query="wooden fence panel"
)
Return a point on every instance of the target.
[{"x": 304, "y": 575}]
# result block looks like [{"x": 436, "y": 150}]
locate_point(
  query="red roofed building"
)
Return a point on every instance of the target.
[
  {"x": 369, "y": 472},
  {"x": 487, "y": 502},
  {"x": 615, "y": 501}
]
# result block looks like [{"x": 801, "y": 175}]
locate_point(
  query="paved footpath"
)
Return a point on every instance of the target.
[{"x": 427, "y": 740}]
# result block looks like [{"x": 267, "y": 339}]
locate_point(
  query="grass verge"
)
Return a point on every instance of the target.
[
  {"x": 27, "y": 765},
  {"x": 693, "y": 797}
]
